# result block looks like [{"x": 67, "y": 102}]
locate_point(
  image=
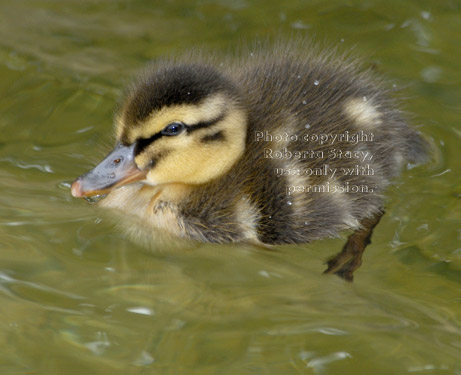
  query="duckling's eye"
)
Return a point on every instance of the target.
[{"x": 174, "y": 128}]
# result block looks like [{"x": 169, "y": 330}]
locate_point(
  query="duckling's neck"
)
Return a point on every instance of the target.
[{"x": 155, "y": 205}]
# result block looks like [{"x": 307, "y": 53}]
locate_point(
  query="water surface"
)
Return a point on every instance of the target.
[{"x": 77, "y": 297}]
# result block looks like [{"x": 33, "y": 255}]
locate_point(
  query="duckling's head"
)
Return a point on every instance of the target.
[{"x": 179, "y": 124}]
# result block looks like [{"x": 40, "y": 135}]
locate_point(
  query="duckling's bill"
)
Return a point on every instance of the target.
[{"x": 117, "y": 169}]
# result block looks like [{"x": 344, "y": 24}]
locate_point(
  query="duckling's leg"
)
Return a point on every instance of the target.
[{"x": 350, "y": 258}]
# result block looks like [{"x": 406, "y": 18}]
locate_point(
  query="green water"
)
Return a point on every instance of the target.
[{"x": 77, "y": 297}]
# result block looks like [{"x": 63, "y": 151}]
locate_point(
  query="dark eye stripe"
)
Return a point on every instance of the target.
[
  {"x": 142, "y": 143},
  {"x": 205, "y": 124},
  {"x": 218, "y": 136}
]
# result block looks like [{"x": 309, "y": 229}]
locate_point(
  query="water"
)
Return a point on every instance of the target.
[{"x": 77, "y": 297}]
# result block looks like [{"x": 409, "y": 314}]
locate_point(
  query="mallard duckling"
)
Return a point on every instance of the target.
[{"x": 283, "y": 146}]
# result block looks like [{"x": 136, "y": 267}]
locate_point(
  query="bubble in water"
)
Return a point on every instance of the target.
[
  {"x": 426, "y": 15},
  {"x": 307, "y": 126},
  {"x": 264, "y": 273},
  {"x": 365, "y": 98},
  {"x": 316, "y": 82},
  {"x": 141, "y": 310},
  {"x": 304, "y": 102},
  {"x": 299, "y": 77},
  {"x": 64, "y": 185},
  {"x": 144, "y": 359},
  {"x": 95, "y": 198},
  {"x": 289, "y": 203},
  {"x": 99, "y": 346}
]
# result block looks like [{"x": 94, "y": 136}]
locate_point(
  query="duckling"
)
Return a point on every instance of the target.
[{"x": 286, "y": 145}]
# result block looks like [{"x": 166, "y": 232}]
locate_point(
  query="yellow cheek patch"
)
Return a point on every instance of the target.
[{"x": 193, "y": 162}]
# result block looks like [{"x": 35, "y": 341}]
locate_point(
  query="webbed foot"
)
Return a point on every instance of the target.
[{"x": 350, "y": 258}]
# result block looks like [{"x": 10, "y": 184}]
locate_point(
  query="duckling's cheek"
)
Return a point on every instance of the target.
[
  {"x": 152, "y": 178},
  {"x": 162, "y": 173}
]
